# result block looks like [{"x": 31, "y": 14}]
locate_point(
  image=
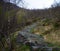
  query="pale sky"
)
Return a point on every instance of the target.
[{"x": 38, "y": 4}]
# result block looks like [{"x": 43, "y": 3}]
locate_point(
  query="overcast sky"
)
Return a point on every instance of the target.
[{"x": 38, "y": 4}]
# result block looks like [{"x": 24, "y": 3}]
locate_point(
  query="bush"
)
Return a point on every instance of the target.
[{"x": 56, "y": 25}]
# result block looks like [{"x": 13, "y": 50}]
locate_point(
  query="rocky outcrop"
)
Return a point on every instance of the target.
[{"x": 27, "y": 38}]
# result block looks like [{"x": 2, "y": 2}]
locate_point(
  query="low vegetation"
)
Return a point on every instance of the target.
[{"x": 14, "y": 19}]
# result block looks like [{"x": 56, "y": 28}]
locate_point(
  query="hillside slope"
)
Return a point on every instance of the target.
[
  {"x": 50, "y": 30},
  {"x": 13, "y": 18}
]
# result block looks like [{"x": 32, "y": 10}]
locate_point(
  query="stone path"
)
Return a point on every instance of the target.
[{"x": 25, "y": 36}]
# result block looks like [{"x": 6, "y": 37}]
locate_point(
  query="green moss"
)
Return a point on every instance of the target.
[
  {"x": 17, "y": 47},
  {"x": 50, "y": 44},
  {"x": 20, "y": 16},
  {"x": 32, "y": 30},
  {"x": 10, "y": 13}
]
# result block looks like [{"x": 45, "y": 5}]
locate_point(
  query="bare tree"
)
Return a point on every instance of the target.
[
  {"x": 56, "y": 4},
  {"x": 13, "y": 1},
  {"x": 5, "y": 24}
]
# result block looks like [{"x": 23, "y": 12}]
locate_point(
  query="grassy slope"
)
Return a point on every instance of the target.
[{"x": 50, "y": 30}]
